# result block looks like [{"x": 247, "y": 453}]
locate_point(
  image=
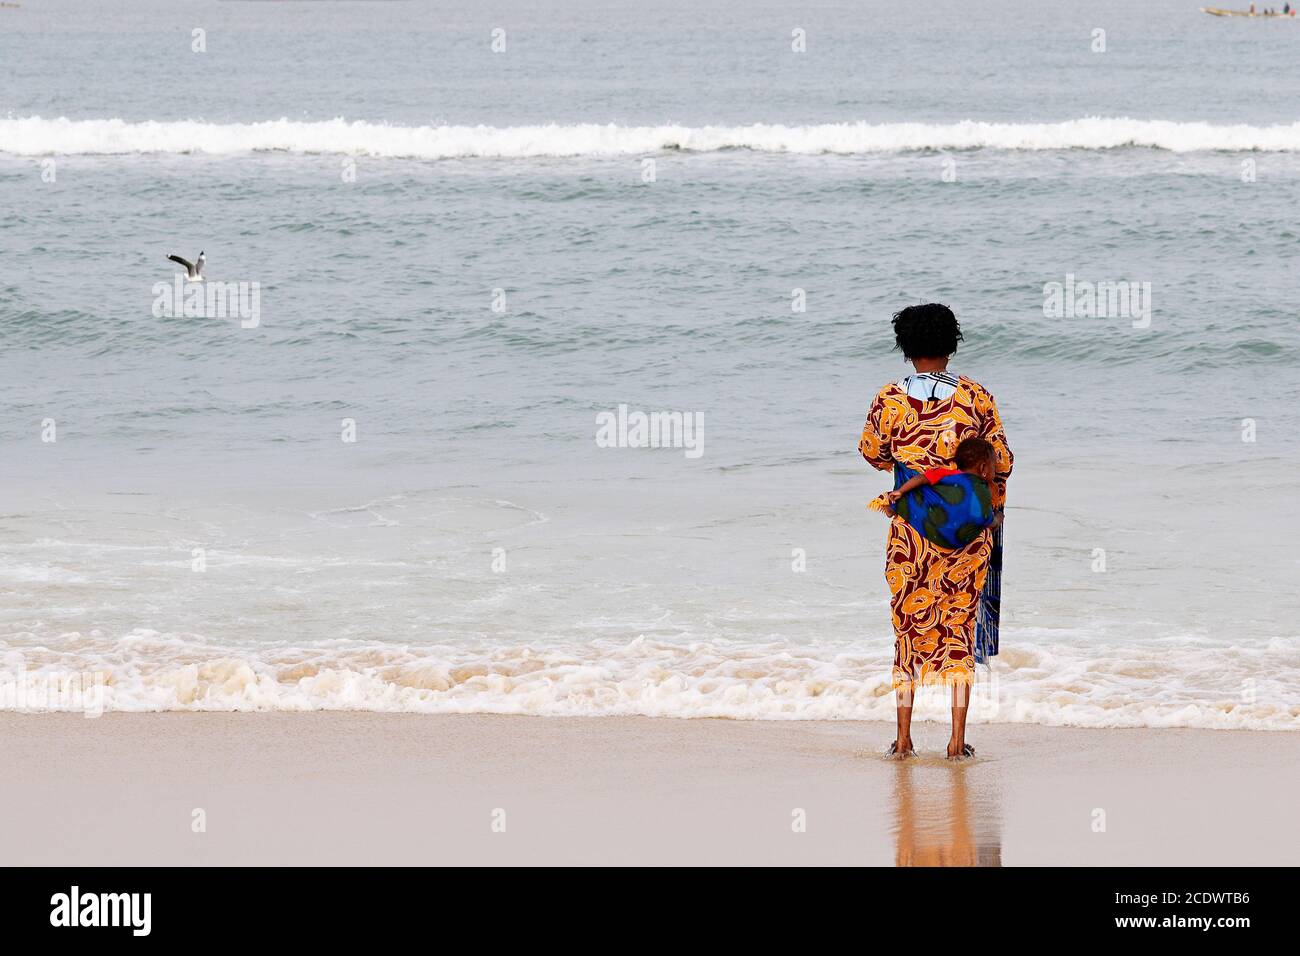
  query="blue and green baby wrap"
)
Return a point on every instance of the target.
[{"x": 950, "y": 513}]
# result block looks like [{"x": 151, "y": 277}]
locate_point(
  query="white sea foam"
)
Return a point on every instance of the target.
[
  {"x": 1166, "y": 684},
  {"x": 35, "y": 136}
]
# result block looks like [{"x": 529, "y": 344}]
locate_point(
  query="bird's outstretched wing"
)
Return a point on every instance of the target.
[{"x": 189, "y": 266}]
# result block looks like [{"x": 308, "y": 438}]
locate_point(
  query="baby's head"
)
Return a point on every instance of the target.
[{"x": 975, "y": 456}]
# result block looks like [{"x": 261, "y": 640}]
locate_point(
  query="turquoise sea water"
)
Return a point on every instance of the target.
[{"x": 475, "y": 548}]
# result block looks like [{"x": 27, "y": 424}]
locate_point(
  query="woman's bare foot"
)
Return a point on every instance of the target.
[
  {"x": 897, "y": 752},
  {"x": 959, "y": 751}
]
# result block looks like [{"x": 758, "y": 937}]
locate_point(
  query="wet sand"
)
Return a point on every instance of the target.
[{"x": 353, "y": 788}]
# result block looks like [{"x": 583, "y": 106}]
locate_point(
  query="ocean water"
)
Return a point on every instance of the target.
[{"x": 641, "y": 191}]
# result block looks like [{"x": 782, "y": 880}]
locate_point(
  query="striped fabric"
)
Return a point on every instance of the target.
[
  {"x": 929, "y": 386},
  {"x": 989, "y": 616}
]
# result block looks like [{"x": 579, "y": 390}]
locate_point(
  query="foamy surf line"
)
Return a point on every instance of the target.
[
  {"x": 35, "y": 136},
  {"x": 1182, "y": 684}
]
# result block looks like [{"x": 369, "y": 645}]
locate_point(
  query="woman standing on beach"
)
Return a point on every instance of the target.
[{"x": 938, "y": 594}]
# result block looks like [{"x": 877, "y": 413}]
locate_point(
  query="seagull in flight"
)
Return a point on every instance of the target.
[{"x": 193, "y": 270}]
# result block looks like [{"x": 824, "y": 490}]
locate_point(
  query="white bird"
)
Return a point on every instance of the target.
[{"x": 193, "y": 270}]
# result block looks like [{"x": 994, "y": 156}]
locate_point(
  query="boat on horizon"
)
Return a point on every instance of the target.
[{"x": 1220, "y": 12}]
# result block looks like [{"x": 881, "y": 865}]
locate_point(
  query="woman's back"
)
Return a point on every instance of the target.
[{"x": 923, "y": 433}]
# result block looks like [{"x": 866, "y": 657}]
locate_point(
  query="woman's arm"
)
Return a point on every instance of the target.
[
  {"x": 991, "y": 430},
  {"x": 875, "y": 442}
]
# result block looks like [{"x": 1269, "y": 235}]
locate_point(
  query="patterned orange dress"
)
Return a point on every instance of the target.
[{"x": 935, "y": 591}]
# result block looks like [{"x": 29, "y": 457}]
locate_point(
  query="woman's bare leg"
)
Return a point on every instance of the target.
[
  {"x": 960, "y": 704},
  {"x": 903, "y": 742}
]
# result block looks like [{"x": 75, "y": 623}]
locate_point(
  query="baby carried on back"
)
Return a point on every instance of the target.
[{"x": 950, "y": 507}]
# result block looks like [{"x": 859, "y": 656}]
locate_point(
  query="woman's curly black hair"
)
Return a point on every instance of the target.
[{"x": 926, "y": 331}]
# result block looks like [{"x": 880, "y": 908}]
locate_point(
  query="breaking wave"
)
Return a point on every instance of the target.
[
  {"x": 35, "y": 136},
  {"x": 1168, "y": 684}
]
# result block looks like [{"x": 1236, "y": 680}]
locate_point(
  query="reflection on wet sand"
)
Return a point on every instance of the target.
[{"x": 939, "y": 822}]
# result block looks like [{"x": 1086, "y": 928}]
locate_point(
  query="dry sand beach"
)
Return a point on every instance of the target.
[{"x": 364, "y": 788}]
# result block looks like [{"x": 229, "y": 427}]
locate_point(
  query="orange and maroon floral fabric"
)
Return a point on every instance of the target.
[{"x": 935, "y": 591}]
